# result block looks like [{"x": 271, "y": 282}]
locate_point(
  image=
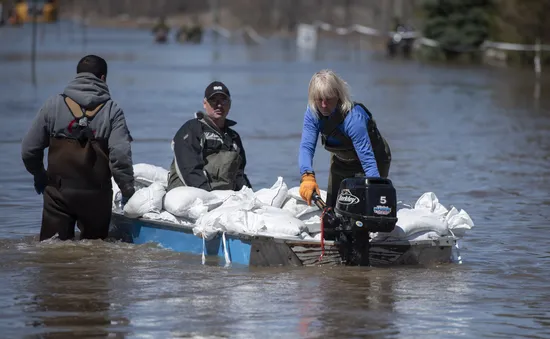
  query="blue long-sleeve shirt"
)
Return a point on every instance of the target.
[{"x": 354, "y": 126}]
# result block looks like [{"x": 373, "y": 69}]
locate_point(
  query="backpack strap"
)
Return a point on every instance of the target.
[
  {"x": 78, "y": 112},
  {"x": 363, "y": 107}
]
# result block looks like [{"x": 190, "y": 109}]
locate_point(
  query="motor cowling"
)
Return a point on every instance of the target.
[{"x": 368, "y": 203}]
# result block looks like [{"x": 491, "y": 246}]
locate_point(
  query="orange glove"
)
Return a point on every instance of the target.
[{"x": 307, "y": 186}]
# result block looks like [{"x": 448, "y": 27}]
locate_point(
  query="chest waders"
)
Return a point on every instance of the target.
[{"x": 79, "y": 180}]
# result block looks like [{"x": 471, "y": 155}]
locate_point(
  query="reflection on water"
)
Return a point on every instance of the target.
[
  {"x": 63, "y": 301},
  {"x": 478, "y": 137}
]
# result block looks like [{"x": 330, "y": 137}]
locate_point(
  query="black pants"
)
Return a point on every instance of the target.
[
  {"x": 90, "y": 209},
  {"x": 339, "y": 171}
]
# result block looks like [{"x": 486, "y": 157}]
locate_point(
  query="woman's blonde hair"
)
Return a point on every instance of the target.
[{"x": 326, "y": 84}]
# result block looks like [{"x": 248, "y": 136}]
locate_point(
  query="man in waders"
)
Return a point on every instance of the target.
[
  {"x": 348, "y": 132},
  {"x": 88, "y": 142},
  {"x": 208, "y": 153}
]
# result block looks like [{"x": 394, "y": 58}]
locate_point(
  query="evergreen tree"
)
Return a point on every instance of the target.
[
  {"x": 459, "y": 26},
  {"x": 523, "y": 21}
]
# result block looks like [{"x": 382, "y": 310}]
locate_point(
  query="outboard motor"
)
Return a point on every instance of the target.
[
  {"x": 368, "y": 203},
  {"x": 363, "y": 205}
]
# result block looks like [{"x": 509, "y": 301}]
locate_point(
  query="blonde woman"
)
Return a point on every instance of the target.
[{"x": 346, "y": 130}]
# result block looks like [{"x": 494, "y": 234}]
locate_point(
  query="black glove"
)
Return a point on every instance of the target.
[
  {"x": 123, "y": 201},
  {"x": 40, "y": 182},
  {"x": 127, "y": 191}
]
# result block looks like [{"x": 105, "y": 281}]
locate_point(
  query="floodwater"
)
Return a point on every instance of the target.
[{"x": 477, "y": 136}]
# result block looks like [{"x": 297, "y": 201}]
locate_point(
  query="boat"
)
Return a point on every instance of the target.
[
  {"x": 346, "y": 241},
  {"x": 265, "y": 251}
]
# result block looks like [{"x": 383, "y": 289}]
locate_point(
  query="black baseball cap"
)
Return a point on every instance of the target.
[{"x": 216, "y": 87}]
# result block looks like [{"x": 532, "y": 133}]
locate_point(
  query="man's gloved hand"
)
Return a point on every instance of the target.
[
  {"x": 123, "y": 201},
  {"x": 308, "y": 185},
  {"x": 127, "y": 191},
  {"x": 40, "y": 182}
]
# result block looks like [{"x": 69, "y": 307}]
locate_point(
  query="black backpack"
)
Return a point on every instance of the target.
[{"x": 380, "y": 146}]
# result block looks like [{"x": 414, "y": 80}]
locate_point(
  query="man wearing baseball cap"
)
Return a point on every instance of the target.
[{"x": 208, "y": 153}]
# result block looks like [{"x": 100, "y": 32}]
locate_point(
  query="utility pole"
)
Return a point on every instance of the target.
[
  {"x": 215, "y": 14},
  {"x": 347, "y": 15},
  {"x": 84, "y": 24},
  {"x": 398, "y": 9},
  {"x": 33, "y": 47}
]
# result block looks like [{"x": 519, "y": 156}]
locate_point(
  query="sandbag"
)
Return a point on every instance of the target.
[
  {"x": 430, "y": 202},
  {"x": 228, "y": 219},
  {"x": 145, "y": 200},
  {"x": 224, "y": 194},
  {"x": 280, "y": 222},
  {"x": 312, "y": 221},
  {"x": 294, "y": 192},
  {"x": 185, "y": 201},
  {"x": 417, "y": 236},
  {"x": 298, "y": 207},
  {"x": 249, "y": 220},
  {"x": 458, "y": 222},
  {"x": 274, "y": 196},
  {"x": 245, "y": 198},
  {"x": 411, "y": 221},
  {"x": 151, "y": 173},
  {"x": 166, "y": 216}
]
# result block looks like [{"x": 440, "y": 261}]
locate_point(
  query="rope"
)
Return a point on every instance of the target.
[
  {"x": 225, "y": 252},
  {"x": 203, "y": 250},
  {"x": 325, "y": 210}
]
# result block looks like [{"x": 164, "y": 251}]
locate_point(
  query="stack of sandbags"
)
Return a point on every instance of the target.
[
  {"x": 310, "y": 215},
  {"x": 147, "y": 173},
  {"x": 275, "y": 195},
  {"x": 277, "y": 210},
  {"x": 145, "y": 200},
  {"x": 429, "y": 219},
  {"x": 190, "y": 202},
  {"x": 244, "y": 212}
]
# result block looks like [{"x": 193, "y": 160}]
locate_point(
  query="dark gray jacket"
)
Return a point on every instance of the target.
[
  {"x": 88, "y": 91},
  {"x": 207, "y": 157}
]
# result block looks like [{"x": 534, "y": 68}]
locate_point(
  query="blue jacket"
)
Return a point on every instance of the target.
[{"x": 354, "y": 126}]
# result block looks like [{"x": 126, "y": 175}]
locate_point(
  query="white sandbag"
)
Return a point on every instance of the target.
[
  {"x": 180, "y": 200},
  {"x": 312, "y": 222},
  {"x": 280, "y": 222},
  {"x": 166, "y": 216},
  {"x": 145, "y": 200},
  {"x": 298, "y": 207},
  {"x": 245, "y": 198},
  {"x": 430, "y": 202},
  {"x": 417, "y": 236},
  {"x": 151, "y": 173},
  {"x": 294, "y": 192},
  {"x": 266, "y": 209},
  {"x": 458, "y": 222},
  {"x": 274, "y": 196},
  {"x": 411, "y": 221},
  {"x": 306, "y": 236},
  {"x": 249, "y": 220},
  {"x": 228, "y": 219},
  {"x": 224, "y": 194},
  {"x": 196, "y": 210}
]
